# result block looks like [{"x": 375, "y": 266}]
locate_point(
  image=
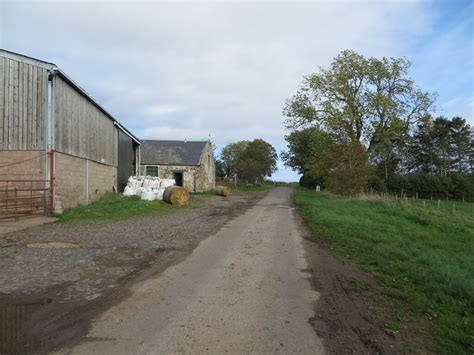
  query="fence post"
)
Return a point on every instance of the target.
[{"x": 439, "y": 202}]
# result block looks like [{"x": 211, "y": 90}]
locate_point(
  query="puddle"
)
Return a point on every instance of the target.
[
  {"x": 53, "y": 245},
  {"x": 14, "y": 317}
]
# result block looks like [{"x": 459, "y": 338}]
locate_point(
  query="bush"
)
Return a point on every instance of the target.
[
  {"x": 308, "y": 181},
  {"x": 429, "y": 186}
]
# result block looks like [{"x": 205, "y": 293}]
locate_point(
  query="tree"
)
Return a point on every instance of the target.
[
  {"x": 307, "y": 154},
  {"x": 258, "y": 161},
  {"x": 461, "y": 143},
  {"x": 422, "y": 147},
  {"x": 349, "y": 168},
  {"x": 441, "y": 140},
  {"x": 220, "y": 171},
  {"x": 359, "y": 100},
  {"x": 230, "y": 155}
]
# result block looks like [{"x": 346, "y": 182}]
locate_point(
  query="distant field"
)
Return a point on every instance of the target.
[{"x": 424, "y": 258}]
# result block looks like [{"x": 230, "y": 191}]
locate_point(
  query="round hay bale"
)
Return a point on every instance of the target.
[
  {"x": 176, "y": 195},
  {"x": 222, "y": 191}
]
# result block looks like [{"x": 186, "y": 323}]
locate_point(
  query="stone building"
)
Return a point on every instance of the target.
[
  {"x": 56, "y": 139},
  {"x": 191, "y": 164}
]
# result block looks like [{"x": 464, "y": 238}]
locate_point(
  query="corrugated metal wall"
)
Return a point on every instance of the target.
[
  {"x": 126, "y": 162},
  {"x": 81, "y": 128},
  {"x": 23, "y": 95}
]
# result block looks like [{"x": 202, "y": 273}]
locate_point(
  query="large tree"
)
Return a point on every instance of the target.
[
  {"x": 358, "y": 99},
  {"x": 258, "y": 161},
  {"x": 230, "y": 155}
]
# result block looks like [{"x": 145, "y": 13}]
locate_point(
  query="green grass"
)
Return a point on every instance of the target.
[
  {"x": 112, "y": 206},
  {"x": 424, "y": 259},
  {"x": 465, "y": 209}
]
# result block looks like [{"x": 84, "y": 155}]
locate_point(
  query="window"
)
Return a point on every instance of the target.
[{"x": 151, "y": 170}]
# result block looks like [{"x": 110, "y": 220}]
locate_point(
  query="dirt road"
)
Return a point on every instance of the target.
[{"x": 243, "y": 289}]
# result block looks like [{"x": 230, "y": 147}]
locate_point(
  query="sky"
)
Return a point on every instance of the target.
[{"x": 194, "y": 70}]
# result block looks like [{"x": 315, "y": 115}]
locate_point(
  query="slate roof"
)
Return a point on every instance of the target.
[{"x": 154, "y": 152}]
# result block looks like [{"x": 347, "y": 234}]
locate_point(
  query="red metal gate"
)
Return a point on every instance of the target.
[{"x": 25, "y": 197}]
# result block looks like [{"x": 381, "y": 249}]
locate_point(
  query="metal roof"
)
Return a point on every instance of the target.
[
  {"x": 158, "y": 152},
  {"x": 56, "y": 70}
]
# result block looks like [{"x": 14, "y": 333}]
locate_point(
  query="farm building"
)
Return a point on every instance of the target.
[
  {"x": 57, "y": 144},
  {"x": 191, "y": 164}
]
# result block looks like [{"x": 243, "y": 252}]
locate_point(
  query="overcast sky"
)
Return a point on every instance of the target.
[{"x": 193, "y": 69}]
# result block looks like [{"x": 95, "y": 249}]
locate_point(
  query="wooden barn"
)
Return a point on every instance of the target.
[
  {"x": 191, "y": 164},
  {"x": 56, "y": 140}
]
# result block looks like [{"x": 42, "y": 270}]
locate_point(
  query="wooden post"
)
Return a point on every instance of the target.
[
  {"x": 424, "y": 204},
  {"x": 439, "y": 202},
  {"x": 417, "y": 195},
  {"x": 453, "y": 209}
]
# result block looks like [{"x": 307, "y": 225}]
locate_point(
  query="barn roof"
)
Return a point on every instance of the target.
[{"x": 157, "y": 152}]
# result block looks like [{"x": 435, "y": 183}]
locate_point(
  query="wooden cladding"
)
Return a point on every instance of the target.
[
  {"x": 81, "y": 129},
  {"x": 23, "y": 101}
]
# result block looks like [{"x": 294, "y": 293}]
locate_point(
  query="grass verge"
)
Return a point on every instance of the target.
[
  {"x": 112, "y": 206},
  {"x": 422, "y": 257}
]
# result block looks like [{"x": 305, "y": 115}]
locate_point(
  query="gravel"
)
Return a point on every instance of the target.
[{"x": 90, "y": 257}]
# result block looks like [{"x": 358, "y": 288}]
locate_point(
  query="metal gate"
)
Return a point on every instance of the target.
[{"x": 25, "y": 197}]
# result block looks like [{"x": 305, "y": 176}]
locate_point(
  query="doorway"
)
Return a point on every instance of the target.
[{"x": 178, "y": 178}]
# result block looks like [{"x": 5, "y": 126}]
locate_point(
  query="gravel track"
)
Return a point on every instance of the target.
[{"x": 76, "y": 270}]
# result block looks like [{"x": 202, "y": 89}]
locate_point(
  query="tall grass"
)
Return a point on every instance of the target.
[{"x": 424, "y": 257}]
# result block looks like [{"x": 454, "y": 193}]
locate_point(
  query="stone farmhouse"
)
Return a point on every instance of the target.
[{"x": 191, "y": 164}]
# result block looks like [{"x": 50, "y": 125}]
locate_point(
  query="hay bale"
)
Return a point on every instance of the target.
[
  {"x": 222, "y": 191},
  {"x": 176, "y": 195}
]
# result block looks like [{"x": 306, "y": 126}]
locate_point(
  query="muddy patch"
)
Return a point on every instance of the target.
[{"x": 15, "y": 318}]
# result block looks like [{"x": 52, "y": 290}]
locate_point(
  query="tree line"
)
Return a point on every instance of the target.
[
  {"x": 248, "y": 161},
  {"x": 363, "y": 125}
]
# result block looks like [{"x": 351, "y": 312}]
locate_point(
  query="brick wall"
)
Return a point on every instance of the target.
[
  {"x": 29, "y": 170},
  {"x": 79, "y": 181}
]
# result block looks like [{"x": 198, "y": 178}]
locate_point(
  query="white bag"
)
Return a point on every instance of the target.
[
  {"x": 159, "y": 194},
  {"x": 148, "y": 195},
  {"x": 129, "y": 191},
  {"x": 139, "y": 191}
]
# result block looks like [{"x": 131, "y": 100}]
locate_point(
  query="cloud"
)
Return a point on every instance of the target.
[
  {"x": 157, "y": 110},
  {"x": 187, "y": 70}
]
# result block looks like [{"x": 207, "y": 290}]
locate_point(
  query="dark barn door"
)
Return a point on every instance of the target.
[
  {"x": 126, "y": 160},
  {"x": 178, "y": 177}
]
